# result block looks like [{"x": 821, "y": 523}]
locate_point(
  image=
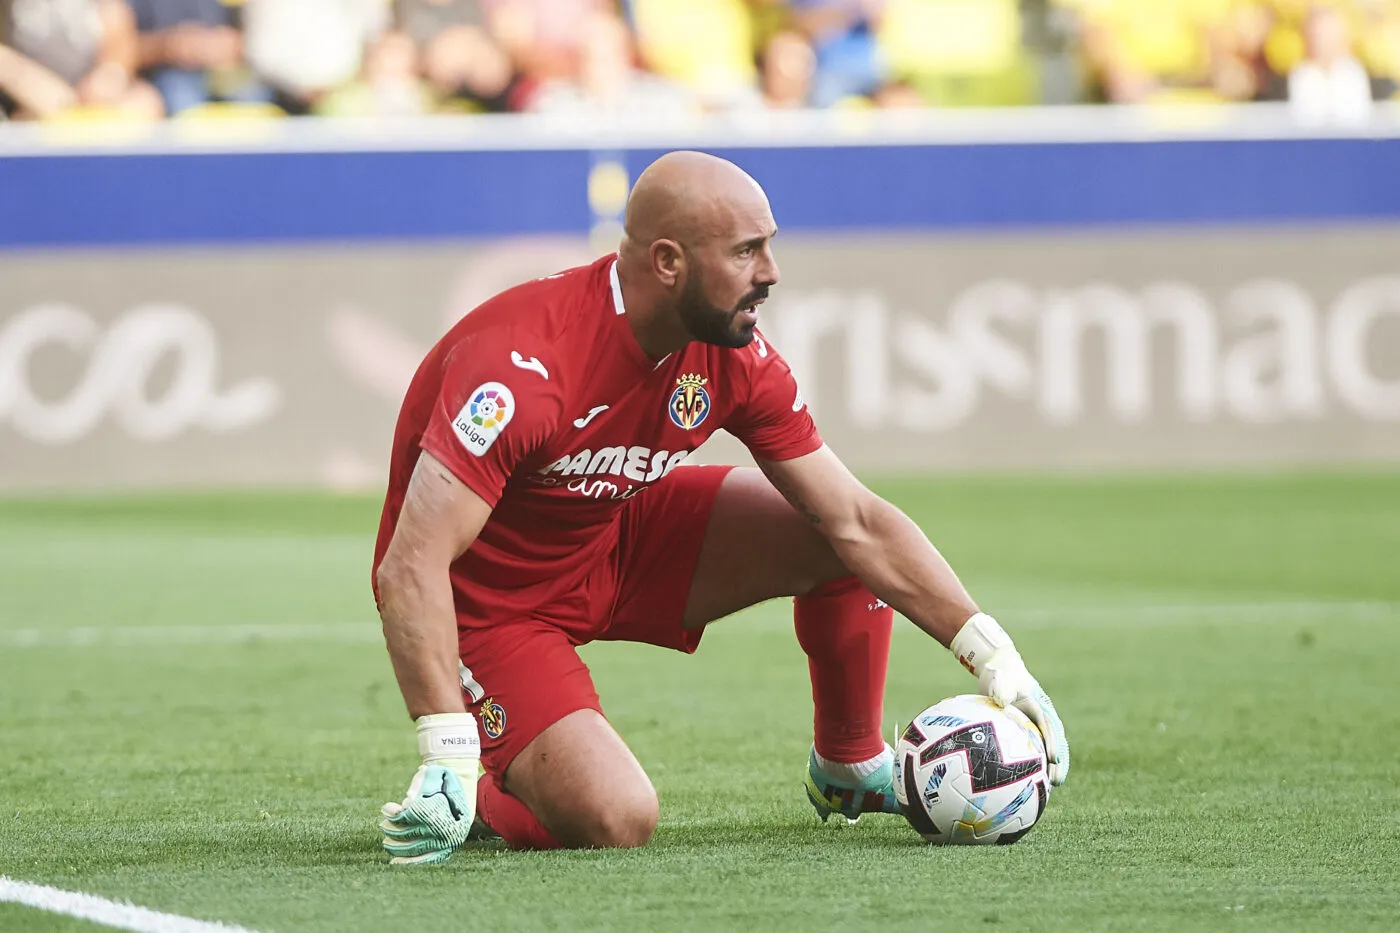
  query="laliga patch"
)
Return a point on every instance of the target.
[
  {"x": 493, "y": 718},
  {"x": 488, "y": 410}
]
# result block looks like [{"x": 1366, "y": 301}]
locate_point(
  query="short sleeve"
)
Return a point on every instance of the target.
[
  {"x": 774, "y": 424},
  {"x": 489, "y": 416}
]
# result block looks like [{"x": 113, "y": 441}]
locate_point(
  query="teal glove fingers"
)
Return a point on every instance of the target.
[
  {"x": 1041, "y": 709},
  {"x": 417, "y": 848},
  {"x": 432, "y": 858},
  {"x": 433, "y": 820}
]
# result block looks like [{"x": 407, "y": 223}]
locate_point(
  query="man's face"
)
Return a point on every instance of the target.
[{"x": 728, "y": 276}]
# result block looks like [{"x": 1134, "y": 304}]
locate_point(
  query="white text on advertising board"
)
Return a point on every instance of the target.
[
  {"x": 117, "y": 366},
  {"x": 1267, "y": 353}
]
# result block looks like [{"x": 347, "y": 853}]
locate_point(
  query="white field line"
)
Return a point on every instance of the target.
[
  {"x": 1100, "y": 616},
  {"x": 118, "y": 635},
  {"x": 1134, "y": 616},
  {"x": 108, "y": 913}
]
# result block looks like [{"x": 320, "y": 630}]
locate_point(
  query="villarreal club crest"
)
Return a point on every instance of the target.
[
  {"x": 690, "y": 402},
  {"x": 493, "y": 718}
]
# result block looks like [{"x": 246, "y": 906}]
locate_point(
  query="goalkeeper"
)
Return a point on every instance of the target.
[{"x": 537, "y": 501}]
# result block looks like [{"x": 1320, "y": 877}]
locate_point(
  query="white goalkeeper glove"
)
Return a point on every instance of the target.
[
  {"x": 436, "y": 815},
  {"x": 986, "y": 650}
]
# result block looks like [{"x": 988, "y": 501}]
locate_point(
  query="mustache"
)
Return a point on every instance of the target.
[{"x": 752, "y": 298}]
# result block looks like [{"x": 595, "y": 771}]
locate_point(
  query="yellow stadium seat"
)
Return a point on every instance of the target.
[
  {"x": 964, "y": 37},
  {"x": 86, "y": 125},
  {"x": 230, "y": 111},
  {"x": 705, "y": 44},
  {"x": 1184, "y": 97},
  {"x": 227, "y": 122}
]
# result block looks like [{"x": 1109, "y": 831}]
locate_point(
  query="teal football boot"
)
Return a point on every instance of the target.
[{"x": 875, "y": 794}]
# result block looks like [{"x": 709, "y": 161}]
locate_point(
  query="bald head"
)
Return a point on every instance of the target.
[
  {"x": 695, "y": 261},
  {"x": 691, "y": 197}
]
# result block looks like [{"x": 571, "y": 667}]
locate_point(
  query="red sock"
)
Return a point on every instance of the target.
[
  {"x": 845, "y": 631},
  {"x": 510, "y": 818}
]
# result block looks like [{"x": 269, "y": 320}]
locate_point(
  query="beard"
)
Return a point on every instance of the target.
[{"x": 711, "y": 324}]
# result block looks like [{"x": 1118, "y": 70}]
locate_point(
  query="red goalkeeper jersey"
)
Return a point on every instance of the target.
[{"x": 543, "y": 403}]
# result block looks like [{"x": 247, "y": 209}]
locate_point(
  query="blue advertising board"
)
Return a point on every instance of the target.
[{"x": 150, "y": 199}]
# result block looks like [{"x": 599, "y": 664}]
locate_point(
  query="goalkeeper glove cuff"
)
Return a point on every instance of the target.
[
  {"x": 450, "y": 740},
  {"x": 980, "y": 637}
]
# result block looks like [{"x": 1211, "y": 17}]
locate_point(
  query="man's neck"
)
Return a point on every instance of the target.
[{"x": 656, "y": 330}]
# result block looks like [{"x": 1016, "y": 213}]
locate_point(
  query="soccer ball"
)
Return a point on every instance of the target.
[{"x": 968, "y": 772}]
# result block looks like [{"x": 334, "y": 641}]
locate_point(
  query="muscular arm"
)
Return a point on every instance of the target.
[
  {"x": 440, "y": 519},
  {"x": 878, "y": 542}
]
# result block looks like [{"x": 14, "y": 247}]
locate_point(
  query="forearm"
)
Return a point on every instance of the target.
[
  {"x": 892, "y": 556},
  {"x": 33, "y": 87},
  {"x": 420, "y": 632},
  {"x": 119, "y": 45},
  {"x": 153, "y": 49}
]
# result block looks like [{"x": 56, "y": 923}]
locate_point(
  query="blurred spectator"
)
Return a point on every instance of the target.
[
  {"x": 66, "y": 54},
  {"x": 787, "y": 70},
  {"x": 610, "y": 82},
  {"x": 663, "y": 58},
  {"x": 1237, "y": 54},
  {"x": 842, "y": 34},
  {"x": 192, "y": 52},
  {"x": 1379, "y": 46},
  {"x": 459, "y": 57},
  {"x": 898, "y": 95},
  {"x": 1330, "y": 85},
  {"x": 1141, "y": 50},
  {"x": 388, "y": 85},
  {"x": 27, "y": 88},
  {"x": 545, "y": 38},
  {"x": 306, "y": 48},
  {"x": 705, "y": 45},
  {"x": 424, "y": 20}
]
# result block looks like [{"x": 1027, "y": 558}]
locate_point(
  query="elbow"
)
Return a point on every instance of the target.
[
  {"x": 407, "y": 579},
  {"x": 393, "y": 579},
  {"x": 861, "y": 526},
  {"x": 385, "y": 581}
]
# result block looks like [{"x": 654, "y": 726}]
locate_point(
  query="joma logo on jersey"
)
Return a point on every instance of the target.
[
  {"x": 690, "y": 402},
  {"x": 635, "y": 463}
]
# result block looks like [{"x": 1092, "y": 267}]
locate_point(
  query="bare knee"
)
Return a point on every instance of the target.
[
  {"x": 618, "y": 824},
  {"x": 584, "y": 785}
]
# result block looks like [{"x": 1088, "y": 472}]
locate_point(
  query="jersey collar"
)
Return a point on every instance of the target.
[
  {"x": 616, "y": 289},
  {"x": 644, "y": 363}
]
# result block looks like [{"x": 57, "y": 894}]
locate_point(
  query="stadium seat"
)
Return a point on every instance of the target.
[
  {"x": 959, "y": 52},
  {"x": 707, "y": 45},
  {"x": 964, "y": 37},
  {"x": 230, "y": 111}
]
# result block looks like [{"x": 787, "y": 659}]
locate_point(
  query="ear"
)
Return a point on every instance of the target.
[{"x": 667, "y": 261}]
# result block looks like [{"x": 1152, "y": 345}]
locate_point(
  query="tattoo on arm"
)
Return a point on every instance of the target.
[{"x": 790, "y": 495}]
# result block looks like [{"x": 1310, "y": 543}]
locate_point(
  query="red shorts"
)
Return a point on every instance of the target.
[{"x": 528, "y": 671}]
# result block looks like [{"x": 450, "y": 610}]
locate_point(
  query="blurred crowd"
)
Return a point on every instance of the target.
[{"x": 150, "y": 59}]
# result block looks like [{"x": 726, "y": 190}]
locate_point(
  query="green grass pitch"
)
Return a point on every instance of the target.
[{"x": 196, "y": 715}]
